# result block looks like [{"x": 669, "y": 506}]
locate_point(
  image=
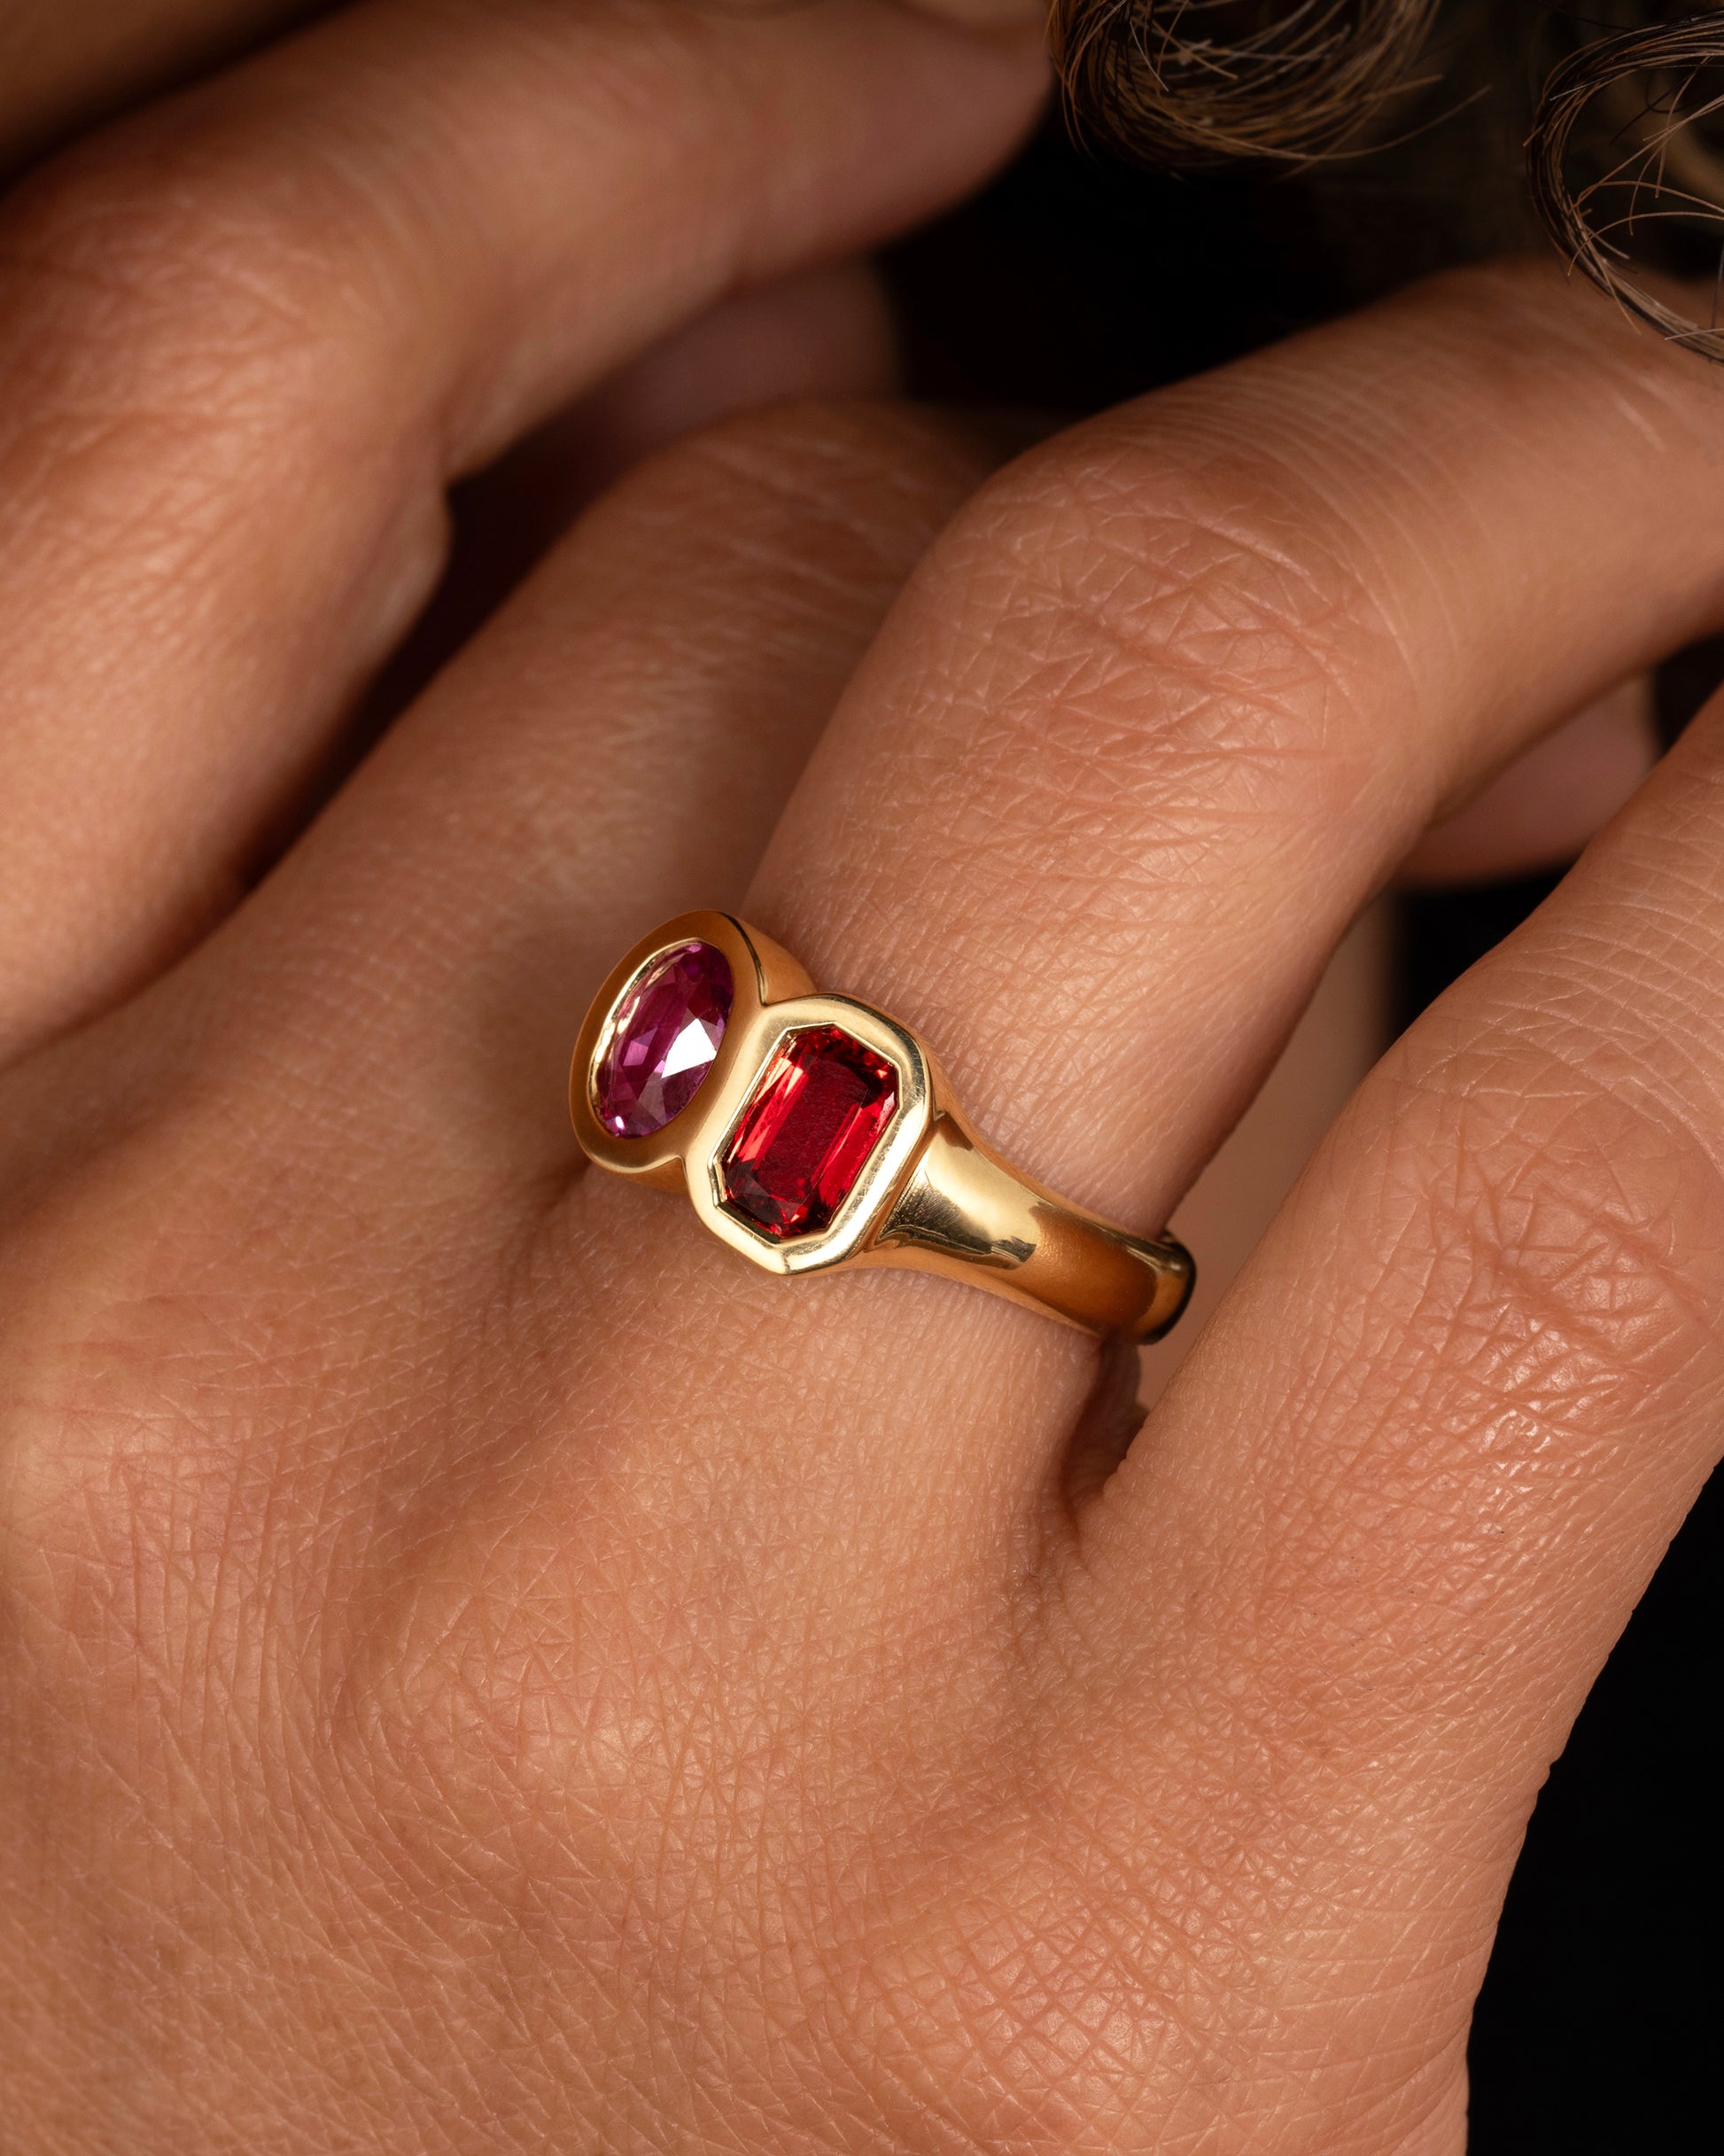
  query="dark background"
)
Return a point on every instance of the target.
[{"x": 1074, "y": 283}]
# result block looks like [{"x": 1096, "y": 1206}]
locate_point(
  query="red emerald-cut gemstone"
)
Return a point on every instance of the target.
[
  {"x": 666, "y": 1031},
  {"x": 806, "y": 1134}
]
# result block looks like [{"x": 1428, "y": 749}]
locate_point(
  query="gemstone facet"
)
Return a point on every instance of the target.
[
  {"x": 819, "y": 1108},
  {"x": 663, "y": 1035}
]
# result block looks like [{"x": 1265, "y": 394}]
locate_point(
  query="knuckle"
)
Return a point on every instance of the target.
[
  {"x": 847, "y": 488},
  {"x": 1587, "y": 1220},
  {"x": 1185, "y": 616},
  {"x": 115, "y": 1489},
  {"x": 179, "y": 286},
  {"x": 1515, "y": 1263},
  {"x": 158, "y": 1394},
  {"x": 1545, "y": 1245},
  {"x": 1070, "y": 1968},
  {"x": 856, "y": 436}
]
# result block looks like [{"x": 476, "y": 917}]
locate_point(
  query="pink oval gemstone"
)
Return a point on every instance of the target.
[{"x": 668, "y": 1023}]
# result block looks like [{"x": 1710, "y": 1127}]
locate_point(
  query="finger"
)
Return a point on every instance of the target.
[
  {"x": 247, "y": 340},
  {"x": 827, "y": 332},
  {"x": 1165, "y": 706},
  {"x": 1160, "y": 712},
  {"x": 1340, "y": 1034},
  {"x": 62, "y": 68},
  {"x": 1540, "y": 811},
  {"x": 618, "y": 741},
  {"x": 1161, "y": 709},
  {"x": 1168, "y": 702},
  {"x": 1418, "y": 1473},
  {"x": 990, "y": 14}
]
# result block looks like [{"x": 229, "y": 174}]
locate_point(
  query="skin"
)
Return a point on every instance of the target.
[
  {"x": 483, "y": 1668},
  {"x": 65, "y": 63}
]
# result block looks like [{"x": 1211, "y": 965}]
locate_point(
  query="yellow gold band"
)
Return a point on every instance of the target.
[
  {"x": 965, "y": 1213},
  {"x": 811, "y": 1131}
]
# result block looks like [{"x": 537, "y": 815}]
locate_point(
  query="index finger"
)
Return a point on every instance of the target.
[{"x": 247, "y": 340}]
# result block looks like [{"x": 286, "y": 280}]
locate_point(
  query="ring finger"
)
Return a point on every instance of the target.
[{"x": 1175, "y": 695}]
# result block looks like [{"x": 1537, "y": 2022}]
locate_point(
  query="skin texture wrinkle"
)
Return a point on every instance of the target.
[{"x": 482, "y": 1669}]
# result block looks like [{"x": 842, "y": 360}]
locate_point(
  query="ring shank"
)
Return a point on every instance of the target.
[{"x": 963, "y": 1212}]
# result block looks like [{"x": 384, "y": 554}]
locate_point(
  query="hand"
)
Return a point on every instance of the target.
[{"x": 483, "y": 1668}]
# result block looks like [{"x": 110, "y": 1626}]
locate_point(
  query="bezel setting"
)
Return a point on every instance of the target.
[
  {"x": 773, "y": 999},
  {"x": 931, "y": 1196}
]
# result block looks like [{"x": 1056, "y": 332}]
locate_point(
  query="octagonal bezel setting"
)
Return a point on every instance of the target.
[{"x": 773, "y": 999}]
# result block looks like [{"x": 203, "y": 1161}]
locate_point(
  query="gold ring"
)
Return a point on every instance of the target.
[{"x": 810, "y": 1132}]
